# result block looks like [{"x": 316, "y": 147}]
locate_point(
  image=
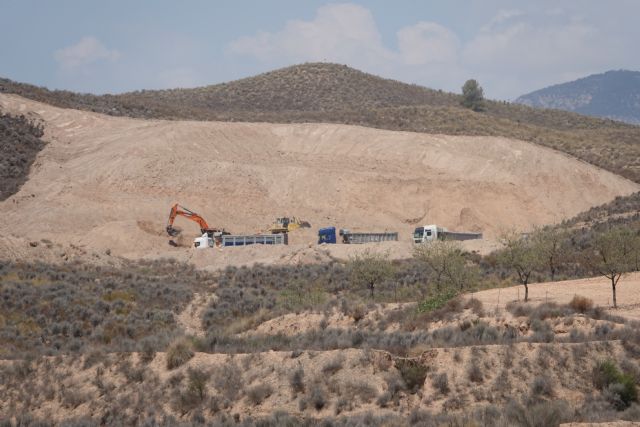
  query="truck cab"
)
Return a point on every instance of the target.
[
  {"x": 327, "y": 235},
  {"x": 427, "y": 233},
  {"x": 209, "y": 239}
]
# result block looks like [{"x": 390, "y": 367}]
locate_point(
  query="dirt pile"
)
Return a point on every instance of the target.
[{"x": 105, "y": 183}]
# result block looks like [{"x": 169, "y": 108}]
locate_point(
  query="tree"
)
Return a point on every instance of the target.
[
  {"x": 369, "y": 269},
  {"x": 612, "y": 255},
  {"x": 473, "y": 95},
  {"x": 523, "y": 255},
  {"x": 551, "y": 243},
  {"x": 448, "y": 264}
]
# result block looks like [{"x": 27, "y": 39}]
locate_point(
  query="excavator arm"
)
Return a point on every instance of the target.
[{"x": 177, "y": 210}]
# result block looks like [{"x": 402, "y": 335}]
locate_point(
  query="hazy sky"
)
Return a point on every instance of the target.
[{"x": 511, "y": 47}]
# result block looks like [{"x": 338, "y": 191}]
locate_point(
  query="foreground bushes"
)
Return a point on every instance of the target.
[{"x": 48, "y": 309}]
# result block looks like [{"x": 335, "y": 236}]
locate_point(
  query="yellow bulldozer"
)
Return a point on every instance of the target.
[{"x": 287, "y": 224}]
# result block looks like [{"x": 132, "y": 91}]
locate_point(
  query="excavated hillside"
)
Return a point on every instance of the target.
[
  {"x": 333, "y": 93},
  {"x": 105, "y": 184}
]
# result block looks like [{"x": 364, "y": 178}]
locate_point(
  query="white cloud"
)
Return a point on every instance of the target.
[
  {"x": 427, "y": 42},
  {"x": 88, "y": 50},
  {"x": 511, "y": 53},
  {"x": 501, "y": 17},
  {"x": 339, "y": 33}
]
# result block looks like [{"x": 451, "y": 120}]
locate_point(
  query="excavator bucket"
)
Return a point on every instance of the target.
[{"x": 172, "y": 231}]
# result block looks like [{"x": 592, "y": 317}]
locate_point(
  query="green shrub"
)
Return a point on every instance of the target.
[
  {"x": 412, "y": 372},
  {"x": 620, "y": 388},
  {"x": 437, "y": 301}
]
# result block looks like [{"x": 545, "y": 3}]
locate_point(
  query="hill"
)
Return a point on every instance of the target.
[
  {"x": 120, "y": 176},
  {"x": 331, "y": 93},
  {"x": 613, "y": 95}
]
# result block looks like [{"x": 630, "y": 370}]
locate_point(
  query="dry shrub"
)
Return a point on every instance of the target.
[
  {"x": 179, "y": 353},
  {"x": 441, "y": 383},
  {"x": 581, "y": 304},
  {"x": 258, "y": 393},
  {"x": 333, "y": 365},
  {"x": 228, "y": 380},
  {"x": 475, "y": 305},
  {"x": 297, "y": 381},
  {"x": 474, "y": 373}
]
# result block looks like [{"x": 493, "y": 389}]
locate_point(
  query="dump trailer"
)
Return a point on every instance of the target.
[
  {"x": 205, "y": 241},
  {"x": 256, "y": 239},
  {"x": 328, "y": 235},
  {"x": 428, "y": 233}
]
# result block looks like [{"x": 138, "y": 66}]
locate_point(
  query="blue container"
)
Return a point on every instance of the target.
[{"x": 327, "y": 235}]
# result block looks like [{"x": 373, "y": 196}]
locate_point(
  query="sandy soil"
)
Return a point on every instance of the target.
[
  {"x": 106, "y": 183},
  {"x": 598, "y": 289}
]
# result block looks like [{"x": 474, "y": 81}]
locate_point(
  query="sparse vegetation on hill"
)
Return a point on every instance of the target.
[
  {"x": 613, "y": 94},
  {"x": 48, "y": 310},
  {"x": 319, "y": 92},
  {"x": 19, "y": 144}
]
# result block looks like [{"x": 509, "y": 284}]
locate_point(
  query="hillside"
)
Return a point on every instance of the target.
[
  {"x": 106, "y": 183},
  {"x": 613, "y": 95},
  {"x": 331, "y": 93},
  {"x": 19, "y": 144}
]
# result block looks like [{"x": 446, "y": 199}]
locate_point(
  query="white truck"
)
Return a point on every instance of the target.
[{"x": 428, "y": 233}]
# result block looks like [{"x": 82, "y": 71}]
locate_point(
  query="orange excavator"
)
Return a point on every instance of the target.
[{"x": 205, "y": 230}]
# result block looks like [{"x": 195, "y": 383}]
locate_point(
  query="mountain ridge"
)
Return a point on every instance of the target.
[{"x": 614, "y": 94}]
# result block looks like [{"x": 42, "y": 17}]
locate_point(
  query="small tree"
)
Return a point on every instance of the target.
[
  {"x": 551, "y": 243},
  {"x": 369, "y": 269},
  {"x": 473, "y": 95},
  {"x": 522, "y": 255},
  {"x": 612, "y": 255},
  {"x": 448, "y": 264}
]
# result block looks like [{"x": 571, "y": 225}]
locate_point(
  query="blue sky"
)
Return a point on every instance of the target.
[{"x": 511, "y": 47}]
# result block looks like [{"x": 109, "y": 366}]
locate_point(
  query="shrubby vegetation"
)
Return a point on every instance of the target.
[
  {"x": 51, "y": 309},
  {"x": 19, "y": 144},
  {"x": 247, "y": 296},
  {"x": 512, "y": 414}
]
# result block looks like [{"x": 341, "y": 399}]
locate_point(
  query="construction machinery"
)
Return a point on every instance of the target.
[
  {"x": 429, "y": 233},
  {"x": 206, "y": 231},
  {"x": 287, "y": 224},
  {"x": 328, "y": 235}
]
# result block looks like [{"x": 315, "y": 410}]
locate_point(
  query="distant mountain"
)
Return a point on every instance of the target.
[{"x": 613, "y": 95}]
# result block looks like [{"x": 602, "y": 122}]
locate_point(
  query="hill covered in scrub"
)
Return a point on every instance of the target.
[
  {"x": 332, "y": 93},
  {"x": 19, "y": 144},
  {"x": 614, "y": 95}
]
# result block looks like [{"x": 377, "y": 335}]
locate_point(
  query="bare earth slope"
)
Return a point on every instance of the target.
[{"x": 107, "y": 183}]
